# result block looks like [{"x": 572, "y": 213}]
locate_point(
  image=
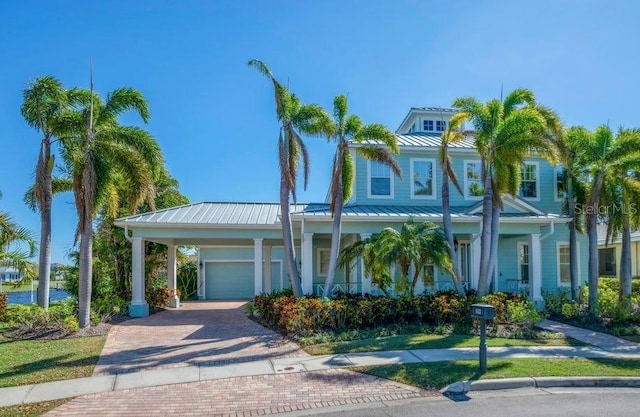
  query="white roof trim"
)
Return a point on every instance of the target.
[{"x": 515, "y": 203}]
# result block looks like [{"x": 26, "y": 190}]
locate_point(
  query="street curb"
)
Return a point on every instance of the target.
[{"x": 462, "y": 387}]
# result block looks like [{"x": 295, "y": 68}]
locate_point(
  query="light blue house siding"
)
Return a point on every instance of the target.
[{"x": 241, "y": 250}]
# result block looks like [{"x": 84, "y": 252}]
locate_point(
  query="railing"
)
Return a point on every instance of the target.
[
  {"x": 352, "y": 288},
  {"x": 516, "y": 285}
]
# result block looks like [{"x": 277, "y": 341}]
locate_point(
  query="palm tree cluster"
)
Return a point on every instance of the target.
[
  {"x": 98, "y": 154},
  {"x": 412, "y": 250}
]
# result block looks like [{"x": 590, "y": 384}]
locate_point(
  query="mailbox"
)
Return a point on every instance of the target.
[{"x": 482, "y": 311}]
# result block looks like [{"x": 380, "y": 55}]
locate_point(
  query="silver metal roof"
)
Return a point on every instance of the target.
[
  {"x": 428, "y": 140},
  {"x": 224, "y": 213},
  {"x": 379, "y": 211},
  {"x": 431, "y": 140}
]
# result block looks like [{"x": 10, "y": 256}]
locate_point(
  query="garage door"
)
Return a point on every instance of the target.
[{"x": 229, "y": 280}]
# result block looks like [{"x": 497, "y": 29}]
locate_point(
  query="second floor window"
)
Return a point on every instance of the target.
[
  {"x": 561, "y": 182},
  {"x": 422, "y": 185},
  {"x": 441, "y": 125},
  {"x": 473, "y": 180},
  {"x": 427, "y": 125},
  {"x": 529, "y": 180},
  {"x": 380, "y": 180}
]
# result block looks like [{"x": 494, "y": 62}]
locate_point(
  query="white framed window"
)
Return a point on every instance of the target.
[
  {"x": 473, "y": 187},
  {"x": 427, "y": 125},
  {"x": 529, "y": 184},
  {"x": 564, "y": 264},
  {"x": 429, "y": 273},
  {"x": 323, "y": 258},
  {"x": 380, "y": 183},
  {"x": 560, "y": 182},
  {"x": 423, "y": 180},
  {"x": 441, "y": 125}
]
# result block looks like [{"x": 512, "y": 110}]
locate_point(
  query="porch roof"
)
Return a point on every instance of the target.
[{"x": 231, "y": 215}]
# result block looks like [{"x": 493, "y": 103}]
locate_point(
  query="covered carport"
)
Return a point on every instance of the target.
[{"x": 235, "y": 242}]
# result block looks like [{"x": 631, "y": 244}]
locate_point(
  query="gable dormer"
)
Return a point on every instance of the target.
[{"x": 434, "y": 120}]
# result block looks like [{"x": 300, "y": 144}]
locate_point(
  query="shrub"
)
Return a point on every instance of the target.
[
  {"x": 158, "y": 297},
  {"x": 570, "y": 310},
  {"x": 3, "y": 304},
  {"x": 522, "y": 312},
  {"x": 187, "y": 280}
]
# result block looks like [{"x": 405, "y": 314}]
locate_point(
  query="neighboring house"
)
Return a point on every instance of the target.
[
  {"x": 9, "y": 274},
  {"x": 609, "y": 254},
  {"x": 240, "y": 249}
]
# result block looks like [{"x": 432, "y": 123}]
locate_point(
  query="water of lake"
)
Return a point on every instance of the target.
[{"x": 24, "y": 297}]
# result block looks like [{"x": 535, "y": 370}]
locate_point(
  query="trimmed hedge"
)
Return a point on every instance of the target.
[{"x": 305, "y": 316}]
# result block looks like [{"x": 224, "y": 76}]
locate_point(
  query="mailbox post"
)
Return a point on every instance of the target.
[{"x": 483, "y": 312}]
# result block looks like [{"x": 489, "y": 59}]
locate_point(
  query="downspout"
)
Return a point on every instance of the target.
[
  {"x": 126, "y": 233},
  {"x": 549, "y": 233}
]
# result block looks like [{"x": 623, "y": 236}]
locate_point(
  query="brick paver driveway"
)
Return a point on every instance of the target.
[
  {"x": 198, "y": 333},
  {"x": 243, "y": 396}
]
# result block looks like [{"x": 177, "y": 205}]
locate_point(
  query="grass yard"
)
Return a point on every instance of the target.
[
  {"x": 30, "y": 410},
  {"x": 437, "y": 375},
  {"x": 428, "y": 341},
  {"x": 34, "y": 361}
]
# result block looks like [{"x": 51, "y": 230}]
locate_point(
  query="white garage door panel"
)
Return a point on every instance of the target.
[{"x": 229, "y": 280}]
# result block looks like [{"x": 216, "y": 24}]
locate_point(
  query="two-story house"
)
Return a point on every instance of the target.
[{"x": 240, "y": 250}]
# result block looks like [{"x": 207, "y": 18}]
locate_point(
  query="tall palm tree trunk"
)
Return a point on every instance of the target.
[
  {"x": 86, "y": 272},
  {"x": 335, "y": 235},
  {"x": 493, "y": 250},
  {"x": 485, "y": 237},
  {"x": 592, "y": 234},
  {"x": 43, "y": 174},
  {"x": 287, "y": 234},
  {"x": 573, "y": 248},
  {"x": 448, "y": 232},
  {"x": 625, "y": 261}
]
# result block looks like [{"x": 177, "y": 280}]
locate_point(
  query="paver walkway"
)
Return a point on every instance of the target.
[
  {"x": 601, "y": 340},
  {"x": 198, "y": 333}
]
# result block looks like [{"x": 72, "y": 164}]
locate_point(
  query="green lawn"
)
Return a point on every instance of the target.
[
  {"x": 428, "y": 341},
  {"x": 437, "y": 375},
  {"x": 34, "y": 361},
  {"x": 30, "y": 410}
]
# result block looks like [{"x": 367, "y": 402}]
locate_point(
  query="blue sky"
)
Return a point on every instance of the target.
[{"x": 214, "y": 116}]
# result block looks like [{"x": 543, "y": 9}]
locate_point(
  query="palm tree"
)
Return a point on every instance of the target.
[
  {"x": 414, "y": 245},
  {"x": 453, "y": 134},
  {"x": 507, "y": 131},
  {"x": 609, "y": 158},
  {"x": 376, "y": 143},
  {"x": 294, "y": 117},
  {"x": 97, "y": 149},
  {"x": 43, "y": 101},
  {"x": 572, "y": 178},
  {"x": 620, "y": 191},
  {"x": 13, "y": 239}
]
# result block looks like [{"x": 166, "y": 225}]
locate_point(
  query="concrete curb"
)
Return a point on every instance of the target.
[{"x": 462, "y": 387}]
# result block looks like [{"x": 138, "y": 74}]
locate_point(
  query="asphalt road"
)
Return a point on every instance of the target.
[{"x": 566, "y": 402}]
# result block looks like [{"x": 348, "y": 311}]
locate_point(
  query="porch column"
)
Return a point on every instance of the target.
[
  {"x": 307, "y": 263},
  {"x": 365, "y": 280},
  {"x": 535, "y": 268},
  {"x": 138, "y": 306},
  {"x": 267, "y": 272},
  {"x": 257, "y": 266},
  {"x": 475, "y": 265},
  {"x": 174, "y": 300}
]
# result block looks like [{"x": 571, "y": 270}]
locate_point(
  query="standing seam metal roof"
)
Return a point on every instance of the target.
[{"x": 427, "y": 140}]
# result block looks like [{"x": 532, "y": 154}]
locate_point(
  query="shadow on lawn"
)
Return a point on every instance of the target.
[{"x": 29, "y": 372}]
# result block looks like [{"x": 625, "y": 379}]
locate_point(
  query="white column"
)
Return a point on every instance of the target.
[
  {"x": 138, "y": 306},
  {"x": 535, "y": 267},
  {"x": 475, "y": 265},
  {"x": 365, "y": 280},
  {"x": 307, "y": 263},
  {"x": 174, "y": 300},
  {"x": 267, "y": 272},
  {"x": 257, "y": 266}
]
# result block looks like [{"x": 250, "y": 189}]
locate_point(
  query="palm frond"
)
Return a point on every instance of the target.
[
  {"x": 122, "y": 100},
  {"x": 382, "y": 155}
]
